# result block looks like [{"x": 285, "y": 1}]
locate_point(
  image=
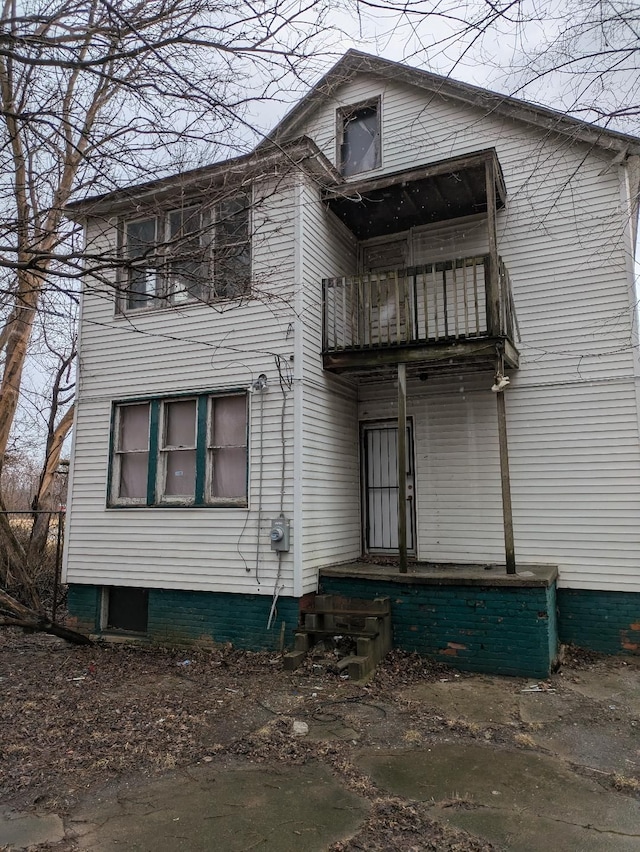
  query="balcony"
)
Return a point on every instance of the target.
[{"x": 441, "y": 313}]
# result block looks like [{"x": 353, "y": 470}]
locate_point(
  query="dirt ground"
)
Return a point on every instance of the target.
[{"x": 75, "y": 719}]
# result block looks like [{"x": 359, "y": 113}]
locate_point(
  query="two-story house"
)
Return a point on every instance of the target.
[{"x": 391, "y": 352}]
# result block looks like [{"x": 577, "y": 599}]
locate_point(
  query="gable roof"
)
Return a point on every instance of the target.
[{"x": 356, "y": 62}]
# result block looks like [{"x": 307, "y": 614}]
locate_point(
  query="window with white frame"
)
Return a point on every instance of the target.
[
  {"x": 188, "y": 254},
  {"x": 180, "y": 451},
  {"x": 358, "y": 136}
]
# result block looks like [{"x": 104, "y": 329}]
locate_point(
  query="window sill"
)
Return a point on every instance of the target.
[
  {"x": 124, "y": 313},
  {"x": 167, "y": 505}
]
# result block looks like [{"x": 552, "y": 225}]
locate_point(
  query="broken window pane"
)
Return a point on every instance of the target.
[
  {"x": 142, "y": 274},
  {"x": 360, "y": 149},
  {"x": 187, "y": 265}
]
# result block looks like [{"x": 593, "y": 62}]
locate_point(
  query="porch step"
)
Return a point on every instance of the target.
[{"x": 368, "y": 622}]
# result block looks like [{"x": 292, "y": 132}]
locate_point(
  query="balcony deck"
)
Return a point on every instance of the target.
[{"x": 440, "y": 314}]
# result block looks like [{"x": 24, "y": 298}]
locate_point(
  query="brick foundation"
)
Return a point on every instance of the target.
[
  {"x": 608, "y": 622},
  {"x": 498, "y": 629},
  {"x": 178, "y": 617}
]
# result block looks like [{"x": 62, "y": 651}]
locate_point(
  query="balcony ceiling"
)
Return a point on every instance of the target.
[{"x": 402, "y": 200}]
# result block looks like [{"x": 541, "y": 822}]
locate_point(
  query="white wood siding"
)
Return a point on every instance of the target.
[
  {"x": 572, "y": 407},
  {"x": 576, "y": 497},
  {"x": 330, "y": 478},
  {"x": 191, "y": 348}
]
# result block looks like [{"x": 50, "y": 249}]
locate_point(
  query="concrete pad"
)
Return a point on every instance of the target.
[
  {"x": 282, "y": 809},
  {"x": 543, "y": 708},
  {"x": 23, "y": 830},
  {"x": 320, "y": 731},
  {"x": 516, "y": 799},
  {"x": 482, "y": 700},
  {"x": 613, "y": 750},
  {"x": 620, "y": 687}
]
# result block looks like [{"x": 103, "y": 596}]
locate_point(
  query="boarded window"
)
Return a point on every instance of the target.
[
  {"x": 359, "y": 132},
  {"x": 132, "y": 452},
  {"x": 127, "y": 609},
  {"x": 179, "y": 448},
  {"x": 228, "y": 448}
]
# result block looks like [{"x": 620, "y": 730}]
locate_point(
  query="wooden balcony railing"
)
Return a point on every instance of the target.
[{"x": 436, "y": 303}]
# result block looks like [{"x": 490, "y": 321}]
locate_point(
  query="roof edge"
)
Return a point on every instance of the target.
[
  {"x": 354, "y": 62},
  {"x": 302, "y": 153}
]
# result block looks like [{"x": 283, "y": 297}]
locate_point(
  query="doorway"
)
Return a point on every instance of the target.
[{"x": 380, "y": 487}]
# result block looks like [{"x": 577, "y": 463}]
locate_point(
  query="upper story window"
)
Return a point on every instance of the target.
[
  {"x": 359, "y": 138},
  {"x": 187, "y": 255}
]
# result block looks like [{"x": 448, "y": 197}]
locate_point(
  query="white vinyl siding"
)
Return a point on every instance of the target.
[
  {"x": 188, "y": 349},
  {"x": 576, "y": 497},
  {"x": 572, "y": 411},
  {"x": 331, "y": 479},
  {"x": 572, "y": 405}
]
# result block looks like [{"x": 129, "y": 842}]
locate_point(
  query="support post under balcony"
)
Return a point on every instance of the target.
[
  {"x": 505, "y": 479},
  {"x": 492, "y": 268},
  {"x": 402, "y": 466}
]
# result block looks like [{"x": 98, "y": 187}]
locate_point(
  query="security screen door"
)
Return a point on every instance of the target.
[{"x": 380, "y": 498}]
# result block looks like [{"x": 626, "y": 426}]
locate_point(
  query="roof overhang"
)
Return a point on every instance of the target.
[
  {"x": 298, "y": 155},
  {"x": 435, "y": 192}
]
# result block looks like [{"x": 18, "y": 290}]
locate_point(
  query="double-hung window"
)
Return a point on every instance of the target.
[
  {"x": 180, "y": 451},
  {"x": 188, "y": 254},
  {"x": 143, "y": 278}
]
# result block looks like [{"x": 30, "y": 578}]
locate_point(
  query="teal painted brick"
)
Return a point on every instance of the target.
[
  {"x": 608, "y": 622},
  {"x": 504, "y": 630},
  {"x": 182, "y": 617},
  {"x": 83, "y": 606}
]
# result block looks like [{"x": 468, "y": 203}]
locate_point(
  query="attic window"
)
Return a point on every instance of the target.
[{"x": 359, "y": 137}]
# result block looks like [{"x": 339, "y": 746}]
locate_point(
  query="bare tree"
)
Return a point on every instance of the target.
[{"x": 95, "y": 94}]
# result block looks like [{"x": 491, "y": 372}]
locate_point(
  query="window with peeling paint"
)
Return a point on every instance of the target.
[{"x": 184, "y": 451}]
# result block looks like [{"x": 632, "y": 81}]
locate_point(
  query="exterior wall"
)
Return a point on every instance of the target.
[
  {"x": 180, "y": 617},
  {"x": 330, "y": 486},
  {"x": 608, "y": 622},
  {"x": 496, "y": 629},
  {"x": 190, "y": 348},
  {"x": 457, "y": 465},
  {"x": 572, "y": 407},
  {"x": 574, "y": 481}
]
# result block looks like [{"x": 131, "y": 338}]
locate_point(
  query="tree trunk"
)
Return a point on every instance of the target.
[{"x": 28, "y": 619}]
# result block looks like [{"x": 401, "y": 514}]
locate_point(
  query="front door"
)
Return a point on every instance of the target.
[{"x": 380, "y": 487}]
